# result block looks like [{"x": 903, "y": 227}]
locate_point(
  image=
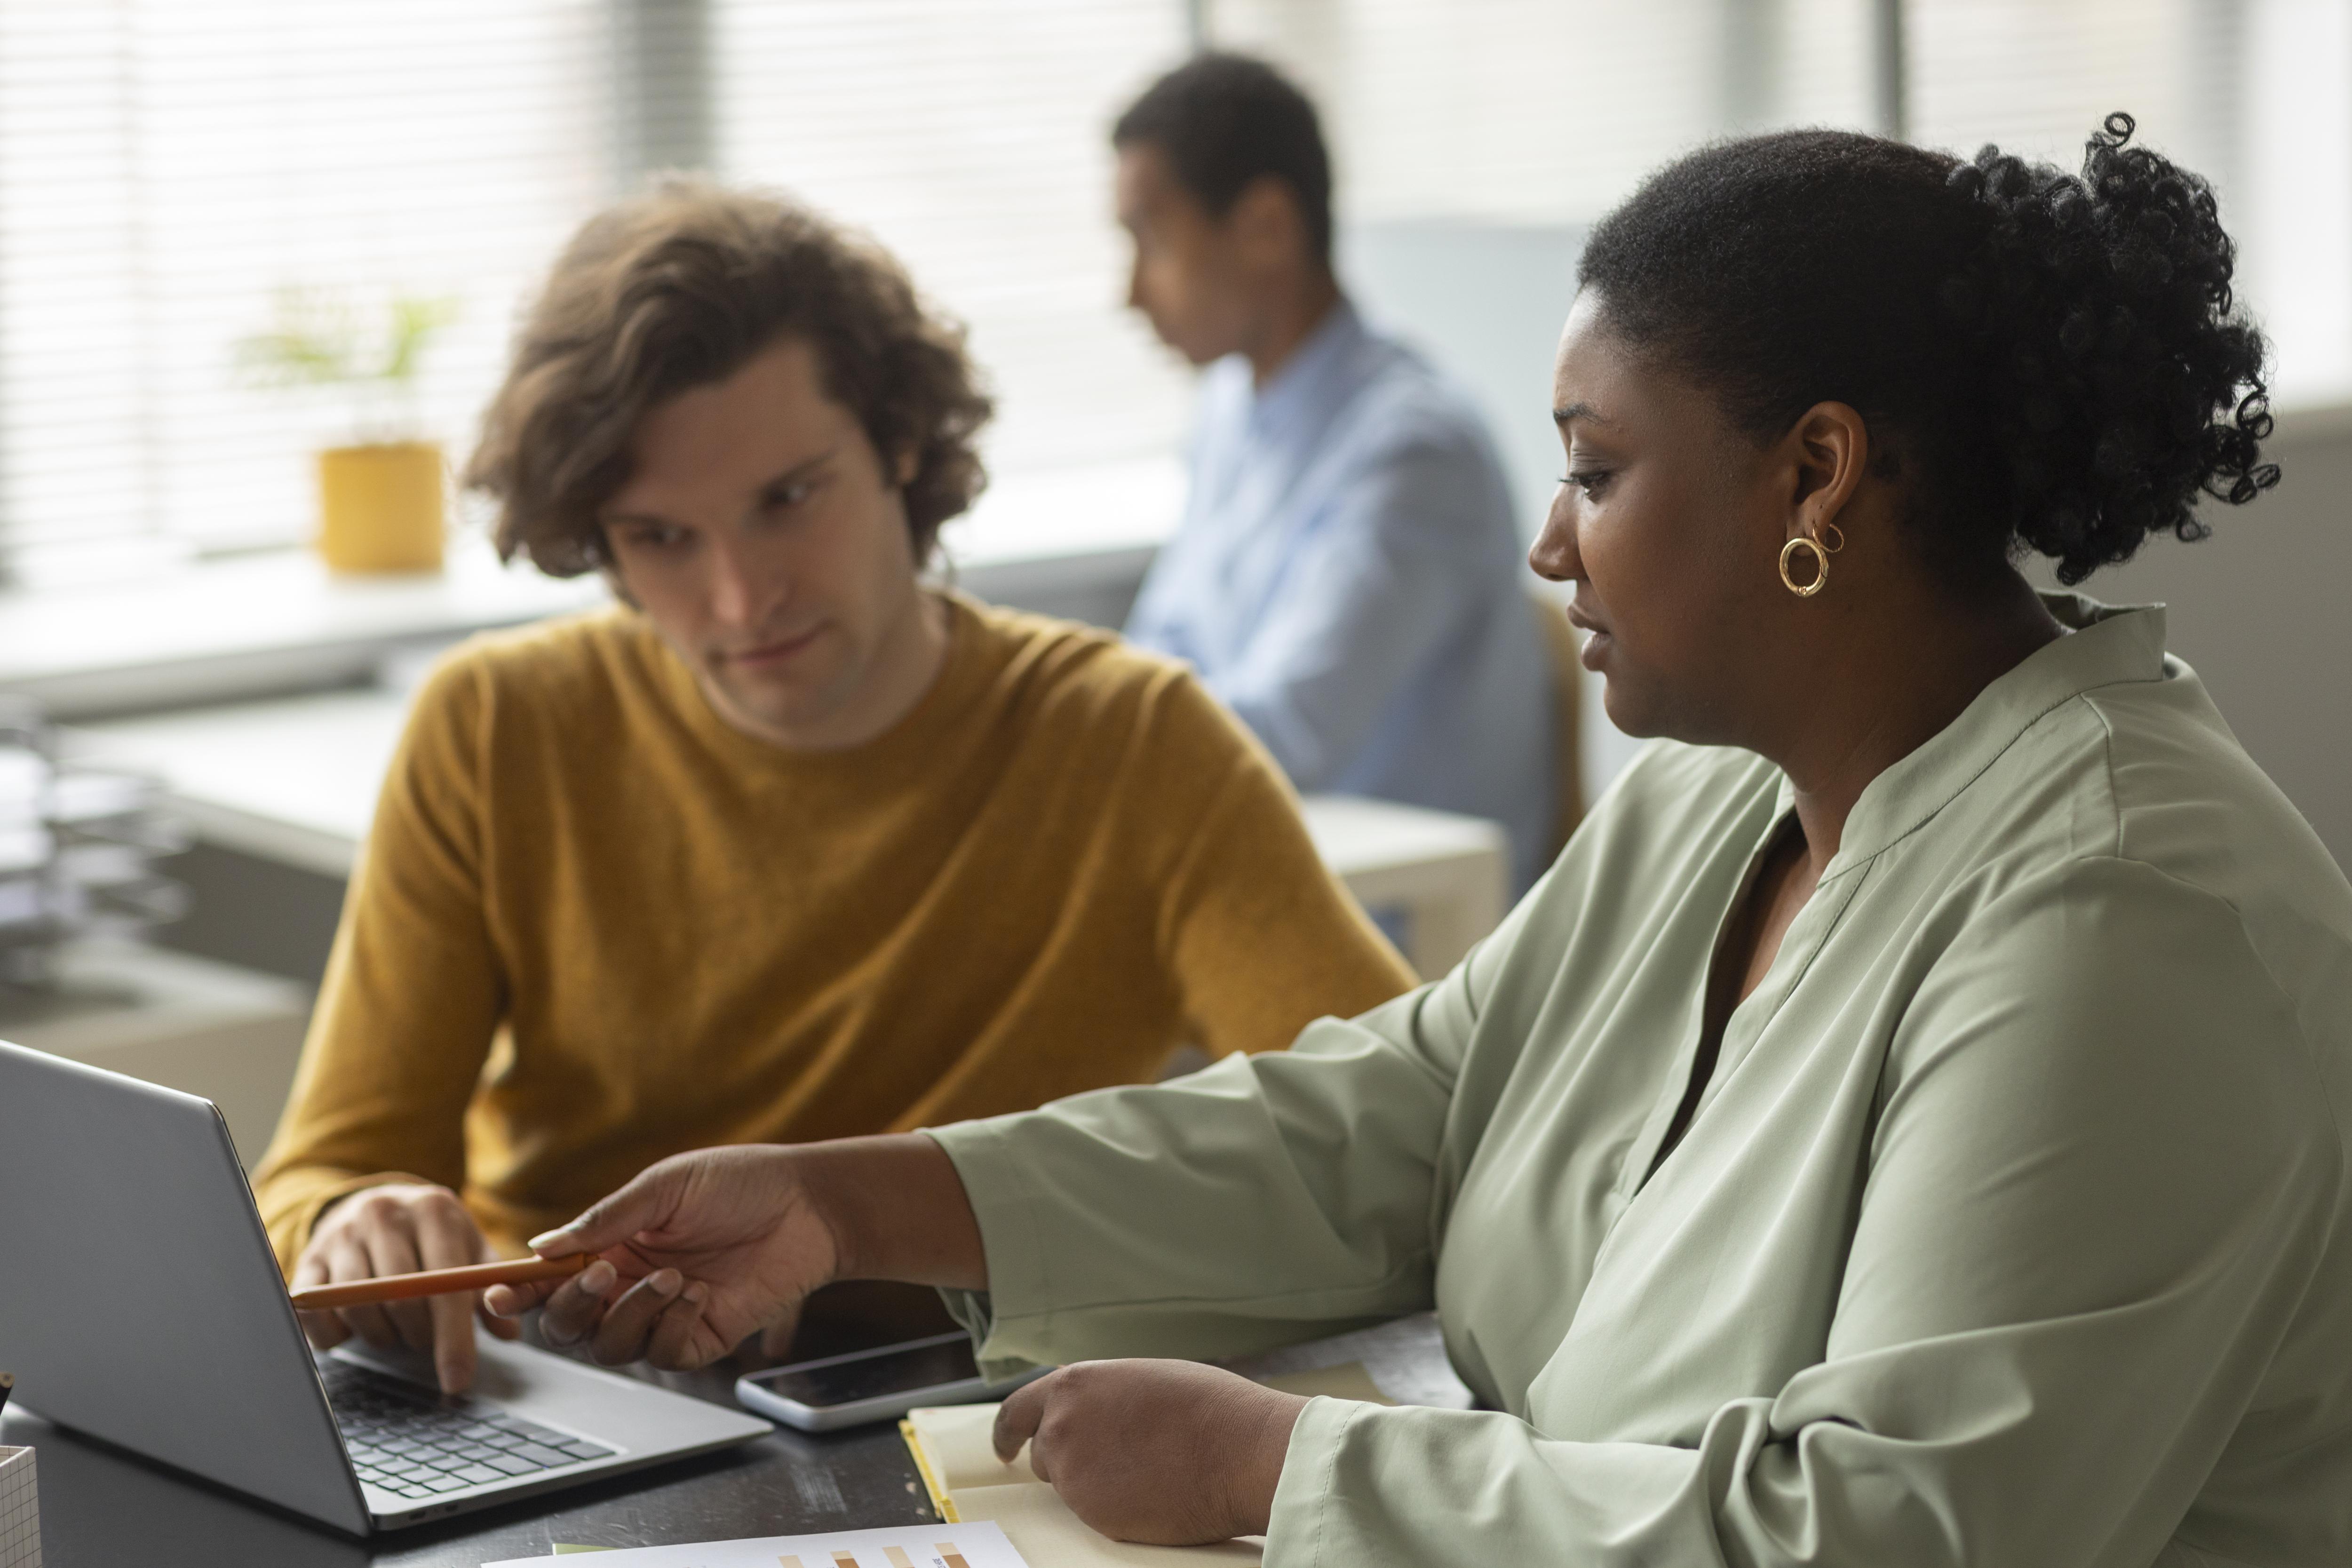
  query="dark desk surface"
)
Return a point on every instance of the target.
[{"x": 104, "y": 1509}]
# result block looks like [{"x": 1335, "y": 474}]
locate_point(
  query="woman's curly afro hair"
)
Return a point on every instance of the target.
[{"x": 2047, "y": 361}]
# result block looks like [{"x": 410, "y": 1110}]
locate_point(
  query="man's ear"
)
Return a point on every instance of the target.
[{"x": 1265, "y": 221}]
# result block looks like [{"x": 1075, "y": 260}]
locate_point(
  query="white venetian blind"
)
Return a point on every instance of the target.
[
  {"x": 2256, "y": 95},
  {"x": 972, "y": 140},
  {"x": 167, "y": 167},
  {"x": 1548, "y": 112}
]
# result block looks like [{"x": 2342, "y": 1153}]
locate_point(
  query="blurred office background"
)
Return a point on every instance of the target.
[{"x": 170, "y": 169}]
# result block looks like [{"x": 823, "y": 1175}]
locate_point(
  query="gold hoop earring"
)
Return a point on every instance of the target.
[
  {"x": 1821, "y": 566},
  {"x": 1821, "y": 554}
]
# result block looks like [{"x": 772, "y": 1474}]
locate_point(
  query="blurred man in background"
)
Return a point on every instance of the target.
[{"x": 1348, "y": 577}]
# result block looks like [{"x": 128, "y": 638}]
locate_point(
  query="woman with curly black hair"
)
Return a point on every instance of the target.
[{"x": 1907, "y": 1126}]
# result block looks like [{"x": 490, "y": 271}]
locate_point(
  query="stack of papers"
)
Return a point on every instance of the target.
[{"x": 904, "y": 1546}]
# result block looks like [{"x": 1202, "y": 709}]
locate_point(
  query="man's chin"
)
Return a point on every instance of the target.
[{"x": 773, "y": 710}]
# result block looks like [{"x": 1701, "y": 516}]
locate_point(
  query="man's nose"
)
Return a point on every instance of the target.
[{"x": 738, "y": 597}]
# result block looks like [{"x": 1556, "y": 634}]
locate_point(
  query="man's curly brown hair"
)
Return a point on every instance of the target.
[{"x": 681, "y": 287}]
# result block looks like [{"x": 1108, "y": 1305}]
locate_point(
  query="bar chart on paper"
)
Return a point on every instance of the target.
[{"x": 906, "y": 1546}]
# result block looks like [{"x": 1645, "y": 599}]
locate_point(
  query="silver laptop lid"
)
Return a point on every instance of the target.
[{"x": 140, "y": 1301}]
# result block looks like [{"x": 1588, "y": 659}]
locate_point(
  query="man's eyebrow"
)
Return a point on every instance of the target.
[
  {"x": 617, "y": 519},
  {"x": 1580, "y": 411},
  {"x": 799, "y": 469}
]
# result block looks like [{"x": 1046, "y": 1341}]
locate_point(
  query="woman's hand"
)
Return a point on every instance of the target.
[
  {"x": 698, "y": 1253},
  {"x": 1171, "y": 1453},
  {"x": 704, "y": 1249}
]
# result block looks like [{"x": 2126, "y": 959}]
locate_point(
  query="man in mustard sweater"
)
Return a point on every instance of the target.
[{"x": 785, "y": 845}]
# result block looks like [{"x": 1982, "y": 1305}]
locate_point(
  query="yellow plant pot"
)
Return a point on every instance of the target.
[{"x": 380, "y": 508}]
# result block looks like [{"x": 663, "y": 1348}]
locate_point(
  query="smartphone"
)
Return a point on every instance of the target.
[{"x": 873, "y": 1384}]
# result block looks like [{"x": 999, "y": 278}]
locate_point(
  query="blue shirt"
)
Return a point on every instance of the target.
[{"x": 1349, "y": 580}]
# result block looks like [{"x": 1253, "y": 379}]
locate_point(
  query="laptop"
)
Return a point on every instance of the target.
[{"x": 139, "y": 1303}]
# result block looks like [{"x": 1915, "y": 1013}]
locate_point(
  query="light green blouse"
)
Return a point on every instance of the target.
[{"x": 2013, "y": 1227}]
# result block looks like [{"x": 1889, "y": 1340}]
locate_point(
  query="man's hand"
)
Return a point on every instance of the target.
[
  {"x": 698, "y": 1252},
  {"x": 1170, "y": 1453},
  {"x": 399, "y": 1228}
]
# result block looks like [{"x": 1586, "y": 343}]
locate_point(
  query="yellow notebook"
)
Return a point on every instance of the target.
[{"x": 957, "y": 1457}]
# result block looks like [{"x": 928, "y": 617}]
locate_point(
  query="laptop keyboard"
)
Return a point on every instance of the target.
[{"x": 417, "y": 1444}]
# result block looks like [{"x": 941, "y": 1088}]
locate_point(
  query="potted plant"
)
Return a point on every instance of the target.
[{"x": 380, "y": 495}]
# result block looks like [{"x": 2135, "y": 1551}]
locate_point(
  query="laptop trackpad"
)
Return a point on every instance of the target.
[{"x": 607, "y": 1406}]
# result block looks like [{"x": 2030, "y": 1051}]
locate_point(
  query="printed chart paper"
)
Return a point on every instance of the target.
[{"x": 903, "y": 1546}]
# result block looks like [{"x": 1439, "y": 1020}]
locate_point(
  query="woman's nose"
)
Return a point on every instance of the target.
[{"x": 1553, "y": 555}]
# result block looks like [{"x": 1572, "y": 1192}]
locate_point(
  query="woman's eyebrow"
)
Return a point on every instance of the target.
[{"x": 1584, "y": 411}]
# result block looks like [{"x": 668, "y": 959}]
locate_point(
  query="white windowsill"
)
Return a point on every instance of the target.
[{"x": 267, "y": 624}]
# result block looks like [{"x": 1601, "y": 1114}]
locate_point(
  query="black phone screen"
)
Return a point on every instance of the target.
[{"x": 897, "y": 1369}]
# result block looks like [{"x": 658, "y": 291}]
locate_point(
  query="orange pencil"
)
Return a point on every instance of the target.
[{"x": 438, "y": 1282}]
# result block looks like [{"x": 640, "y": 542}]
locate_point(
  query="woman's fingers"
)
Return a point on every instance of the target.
[
  {"x": 776, "y": 1337},
  {"x": 647, "y": 1201},
  {"x": 510, "y": 1301},
  {"x": 1017, "y": 1419},
  {"x": 683, "y": 1340},
  {"x": 573, "y": 1308},
  {"x": 628, "y": 1322}
]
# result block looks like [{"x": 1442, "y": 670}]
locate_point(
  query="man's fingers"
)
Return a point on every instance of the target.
[
  {"x": 392, "y": 1249},
  {"x": 325, "y": 1330},
  {"x": 628, "y": 1322},
  {"x": 453, "y": 1354},
  {"x": 446, "y": 1238},
  {"x": 1017, "y": 1419},
  {"x": 500, "y": 1328},
  {"x": 347, "y": 1260}
]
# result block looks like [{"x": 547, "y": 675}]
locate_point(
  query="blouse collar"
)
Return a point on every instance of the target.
[{"x": 2104, "y": 645}]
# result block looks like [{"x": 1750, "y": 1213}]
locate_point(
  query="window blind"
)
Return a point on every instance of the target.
[
  {"x": 1550, "y": 112},
  {"x": 166, "y": 169},
  {"x": 2256, "y": 95},
  {"x": 972, "y": 141}
]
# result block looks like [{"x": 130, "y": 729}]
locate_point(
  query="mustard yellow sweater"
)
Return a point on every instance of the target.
[{"x": 593, "y": 926}]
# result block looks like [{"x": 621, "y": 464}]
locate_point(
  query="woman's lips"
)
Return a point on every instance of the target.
[{"x": 1597, "y": 640}]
